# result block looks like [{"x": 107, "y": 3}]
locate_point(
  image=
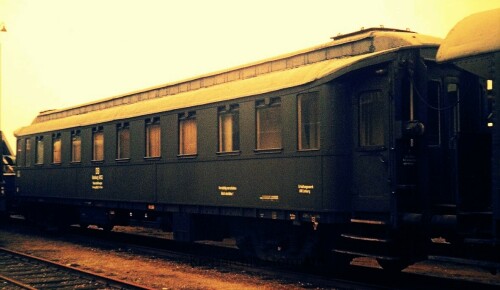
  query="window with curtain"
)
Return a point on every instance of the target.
[
  {"x": 122, "y": 141},
  {"x": 371, "y": 121},
  {"x": 308, "y": 121},
  {"x": 268, "y": 127},
  {"x": 76, "y": 146},
  {"x": 229, "y": 131},
  {"x": 153, "y": 137},
  {"x": 56, "y": 148},
  {"x": 39, "y": 150},
  {"x": 27, "y": 152},
  {"x": 187, "y": 134},
  {"x": 97, "y": 144}
]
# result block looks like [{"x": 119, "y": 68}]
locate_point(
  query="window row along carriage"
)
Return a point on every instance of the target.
[{"x": 363, "y": 146}]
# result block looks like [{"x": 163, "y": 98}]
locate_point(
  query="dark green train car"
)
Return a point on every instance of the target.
[{"x": 344, "y": 148}]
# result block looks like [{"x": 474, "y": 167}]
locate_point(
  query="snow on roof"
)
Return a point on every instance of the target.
[
  {"x": 282, "y": 72},
  {"x": 472, "y": 36},
  {"x": 228, "y": 91}
]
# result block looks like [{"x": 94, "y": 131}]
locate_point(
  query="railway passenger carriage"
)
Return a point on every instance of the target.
[{"x": 353, "y": 148}]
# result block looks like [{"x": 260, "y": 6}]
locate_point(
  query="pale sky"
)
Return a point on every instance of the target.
[{"x": 60, "y": 53}]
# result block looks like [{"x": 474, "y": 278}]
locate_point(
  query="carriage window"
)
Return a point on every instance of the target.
[
  {"x": 371, "y": 121},
  {"x": 97, "y": 144},
  {"x": 19, "y": 151},
  {"x": 122, "y": 141},
  {"x": 229, "y": 128},
  {"x": 76, "y": 146},
  {"x": 187, "y": 134},
  {"x": 27, "y": 152},
  {"x": 153, "y": 137},
  {"x": 308, "y": 121},
  {"x": 56, "y": 148},
  {"x": 268, "y": 115},
  {"x": 39, "y": 150}
]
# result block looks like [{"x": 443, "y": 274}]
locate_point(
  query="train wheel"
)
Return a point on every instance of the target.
[{"x": 244, "y": 243}]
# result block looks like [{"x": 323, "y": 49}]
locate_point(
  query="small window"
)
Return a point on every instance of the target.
[
  {"x": 371, "y": 120},
  {"x": 56, "y": 148},
  {"x": 153, "y": 137},
  {"x": 39, "y": 150},
  {"x": 76, "y": 146},
  {"x": 123, "y": 141},
  {"x": 308, "y": 121},
  {"x": 97, "y": 144},
  {"x": 187, "y": 134},
  {"x": 268, "y": 124},
  {"x": 27, "y": 152},
  {"x": 19, "y": 150},
  {"x": 229, "y": 128}
]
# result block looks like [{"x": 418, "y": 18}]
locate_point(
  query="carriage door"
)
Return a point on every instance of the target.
[{"x": 371, "y": 111}]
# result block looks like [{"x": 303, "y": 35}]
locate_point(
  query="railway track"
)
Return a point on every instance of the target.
[
  {"x": 228, "y": 260},
  {"x": 22, "y": 271}
]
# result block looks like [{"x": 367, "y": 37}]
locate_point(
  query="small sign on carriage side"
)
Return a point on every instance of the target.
[
  {"x": 306, "y": 189},
  {"x": 227, "y": 190},
  {"x": 97, "y": 179}
]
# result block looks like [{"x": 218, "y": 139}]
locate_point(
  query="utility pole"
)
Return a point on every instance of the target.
[{"x": 2, "y": 193}]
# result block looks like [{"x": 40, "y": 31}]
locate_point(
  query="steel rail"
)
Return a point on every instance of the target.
[{"x": 86, "y": 275}]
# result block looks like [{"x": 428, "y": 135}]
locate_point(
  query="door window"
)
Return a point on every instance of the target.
[{"x": 371, "y": 121}]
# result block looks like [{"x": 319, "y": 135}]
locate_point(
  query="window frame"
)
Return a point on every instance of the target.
[
  {"x": 152, "y": 123},
  {"x": 76, "y": 135},
  {"x": 302, "y": 127},
  {"x": 267, "y": 106},
  {"x": 367, "y": 133},
  {"x": 233, "y": 112},
  {"x": 56, "y": 139},
  {"x": 186, "y": 119},
  {"x": 27, "y": 152},
  {"x": 39, "y": 150},
  {"x": 123, "y": 136},
  {"x": 96, "y": 132}
]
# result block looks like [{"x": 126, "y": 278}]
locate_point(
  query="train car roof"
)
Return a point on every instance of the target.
[
  {"x": 6, "y": 149},
  {"x": 273, "y": 74},
  {"x": 476, "y": 36}
]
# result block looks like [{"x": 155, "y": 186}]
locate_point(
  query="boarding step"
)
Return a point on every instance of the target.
[
  {"x": 368, "y": 221},
  {"x": 363, "y": 254},
  {"x": 364, "y": 238},
  {"x": 444, "y": 208},
  {"x": 475, "y": 213},
  {"x": 486, "y": 242}
]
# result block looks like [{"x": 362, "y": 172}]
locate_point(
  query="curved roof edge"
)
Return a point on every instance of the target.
[
  {"x": 472, "y": 36},
  {"x": 274, "y": 74},
  {"x": 359, "y": 43},
  {"x": 228, "y": 91}
]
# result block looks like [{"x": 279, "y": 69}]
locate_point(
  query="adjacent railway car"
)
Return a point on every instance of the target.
[
  {"x": 474, "y": 46},
  {"x": 7, "y": 185},
  {"x": 363, "y": 146}
]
